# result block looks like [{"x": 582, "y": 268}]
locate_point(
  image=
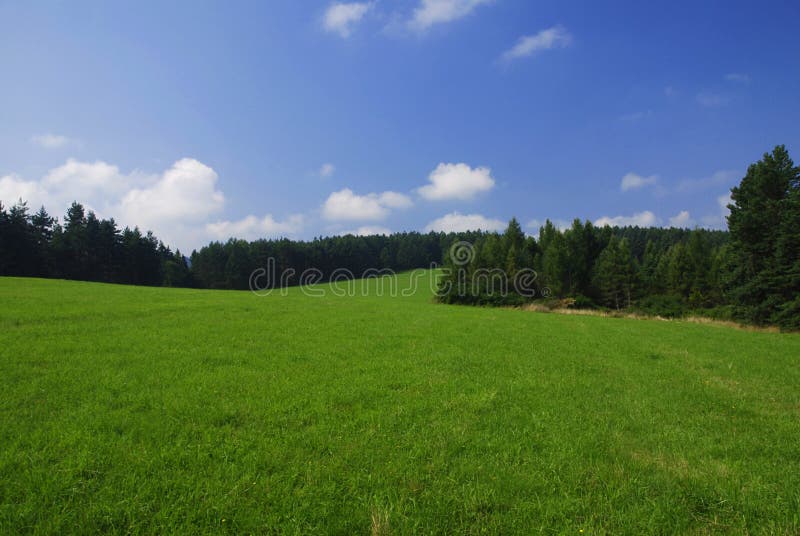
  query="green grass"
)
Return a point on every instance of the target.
[{"x": 145, "y": 410}]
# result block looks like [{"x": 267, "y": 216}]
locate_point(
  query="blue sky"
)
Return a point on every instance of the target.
[{"x": 200, "y": 120}]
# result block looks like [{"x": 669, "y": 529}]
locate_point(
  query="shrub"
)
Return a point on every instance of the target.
[{"x": 663, "y": 305}]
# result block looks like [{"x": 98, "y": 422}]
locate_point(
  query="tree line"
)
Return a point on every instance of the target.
[
  {"x": 750, "y": 273},
  {"x": 664, "y": 270},
  {"x": 85, "y": 248}
]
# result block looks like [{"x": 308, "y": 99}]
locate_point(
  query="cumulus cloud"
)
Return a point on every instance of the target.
[
  {"x": 186, "y": 193},
  {"x": 177, "y": 204},
  {"x": 13, "y": 188},
  {"x": 341, "y": 17},
  {"x": 431, "y": 12},
  {"x": 96, "y": 184},
  {"x": 252, "y": 227},
  {"x": 326, "y": 170},
  {"x": 639, "y": 219},
  {"x": 368, "y": 230},
  {"x": 632, "y": 181},
  {"x": 528, "y": 45},
  {"x": 457, "y": 222},
  {"x": 681, "y": 220},
  {"x": 51, "y": 141},
  {"x": 88, "y": 181},
  {"x": 456, "y": 181},
  {"x": 346, "y": 205},
  {"x": 395, "y": 200}
]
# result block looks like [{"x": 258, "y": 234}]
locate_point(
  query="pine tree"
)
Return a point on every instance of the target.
[
  {"x": 4, "y": 252},
  {"x": 615, "y": 274},
  {"x": 626, "y": 271},
  {"x": 761, "y": 214},
  {"x": 554, "y": 264},
  {"x": 20, "y": 242},
  {"x": 75, "y": 254},
  {"x": 606, "y": 278},
  {"x": 699, "y": 258},
  {"x": 787, "y": 258}
]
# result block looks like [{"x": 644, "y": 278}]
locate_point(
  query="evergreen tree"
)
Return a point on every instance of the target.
[
  {"x": 4, "y": 250},
  {"x": 75, "y": 243},
  {"x": 648, "y": 268},
  {"x": 762, "y": 210},
  {"x": 239, "y": 265},
  {"x": 615, "y": 274}
]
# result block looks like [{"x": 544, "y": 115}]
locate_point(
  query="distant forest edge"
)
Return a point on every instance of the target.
[{"x": 750, "y": 273}]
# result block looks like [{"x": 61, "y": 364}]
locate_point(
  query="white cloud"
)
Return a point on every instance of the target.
[
  {"x": 173, "y": 204},
  {"x": 743, "y": 78},
  {"x": 716, "y": 179},
  {"x": 346, "y": 205},
  {"x": 712, "y": 100},
  {"x": 681, "y": 220},
  {"x": 177, "y": 204},
  {"x": 457, "y": 222},
  {"x": 456, "y": 181},
  {"x": 632, "y": 181},
  {"x": 51, "y": 141},
  {"x": 550, "y": 38},
  {"x": 95, "y": 184},
  {"x": 723, "y": 201},
  {"x": 639, "y": 219},
  {"x": 368, "y": 230},
  {"x": 13, "y": 188},
  {"x": 88, "y": 181},
  {"x": 341, "y": 17},
  {"x": 394, "y": 200},
  {"x": 430, "y": 12},
  {"x": 185, "y": 193},
  {"x": 720, "y": 218},
  {"x": 326, "y": 170},
  {"x": 252, "y": 227}
]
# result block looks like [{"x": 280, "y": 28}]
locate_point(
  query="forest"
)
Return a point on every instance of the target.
[{"x": 750, "y": 273}]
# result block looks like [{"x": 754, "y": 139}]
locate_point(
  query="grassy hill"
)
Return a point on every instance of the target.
[{"x": 149, "y": 410}]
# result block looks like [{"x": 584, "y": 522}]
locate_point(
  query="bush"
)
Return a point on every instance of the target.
[
  {"x": 721, "y": 312},
  {"x": 662, "y": 305},
  {"x": 583, "y": 302}
]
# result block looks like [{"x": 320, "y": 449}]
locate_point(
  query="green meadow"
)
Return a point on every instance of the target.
[{"x": 171, "y": 411}]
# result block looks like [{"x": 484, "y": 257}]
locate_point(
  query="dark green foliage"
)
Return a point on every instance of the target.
[
  {"x": 663, "y": 305},
  {"x": 765, "y": 248},
  {"x": 612, "y": 267},
  {"x": 229, "y": 265},
  {"x": 84, "y": 248},
  {"x": 492, "y": 271},
  {"x": 614, "y": 274}
]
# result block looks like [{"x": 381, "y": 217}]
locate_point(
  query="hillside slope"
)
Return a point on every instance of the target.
[{"x": 149, "y": 410}]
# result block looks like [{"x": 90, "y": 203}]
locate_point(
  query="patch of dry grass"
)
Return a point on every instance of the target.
[{"x": 540, "y": 308}]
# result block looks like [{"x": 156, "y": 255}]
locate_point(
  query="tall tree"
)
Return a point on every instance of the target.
[
  {"x": 761, "y": 211},
  {"x": 615, "y": 274}
]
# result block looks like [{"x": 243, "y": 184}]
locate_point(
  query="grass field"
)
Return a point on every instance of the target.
[{"x": 148, "y": 410}]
